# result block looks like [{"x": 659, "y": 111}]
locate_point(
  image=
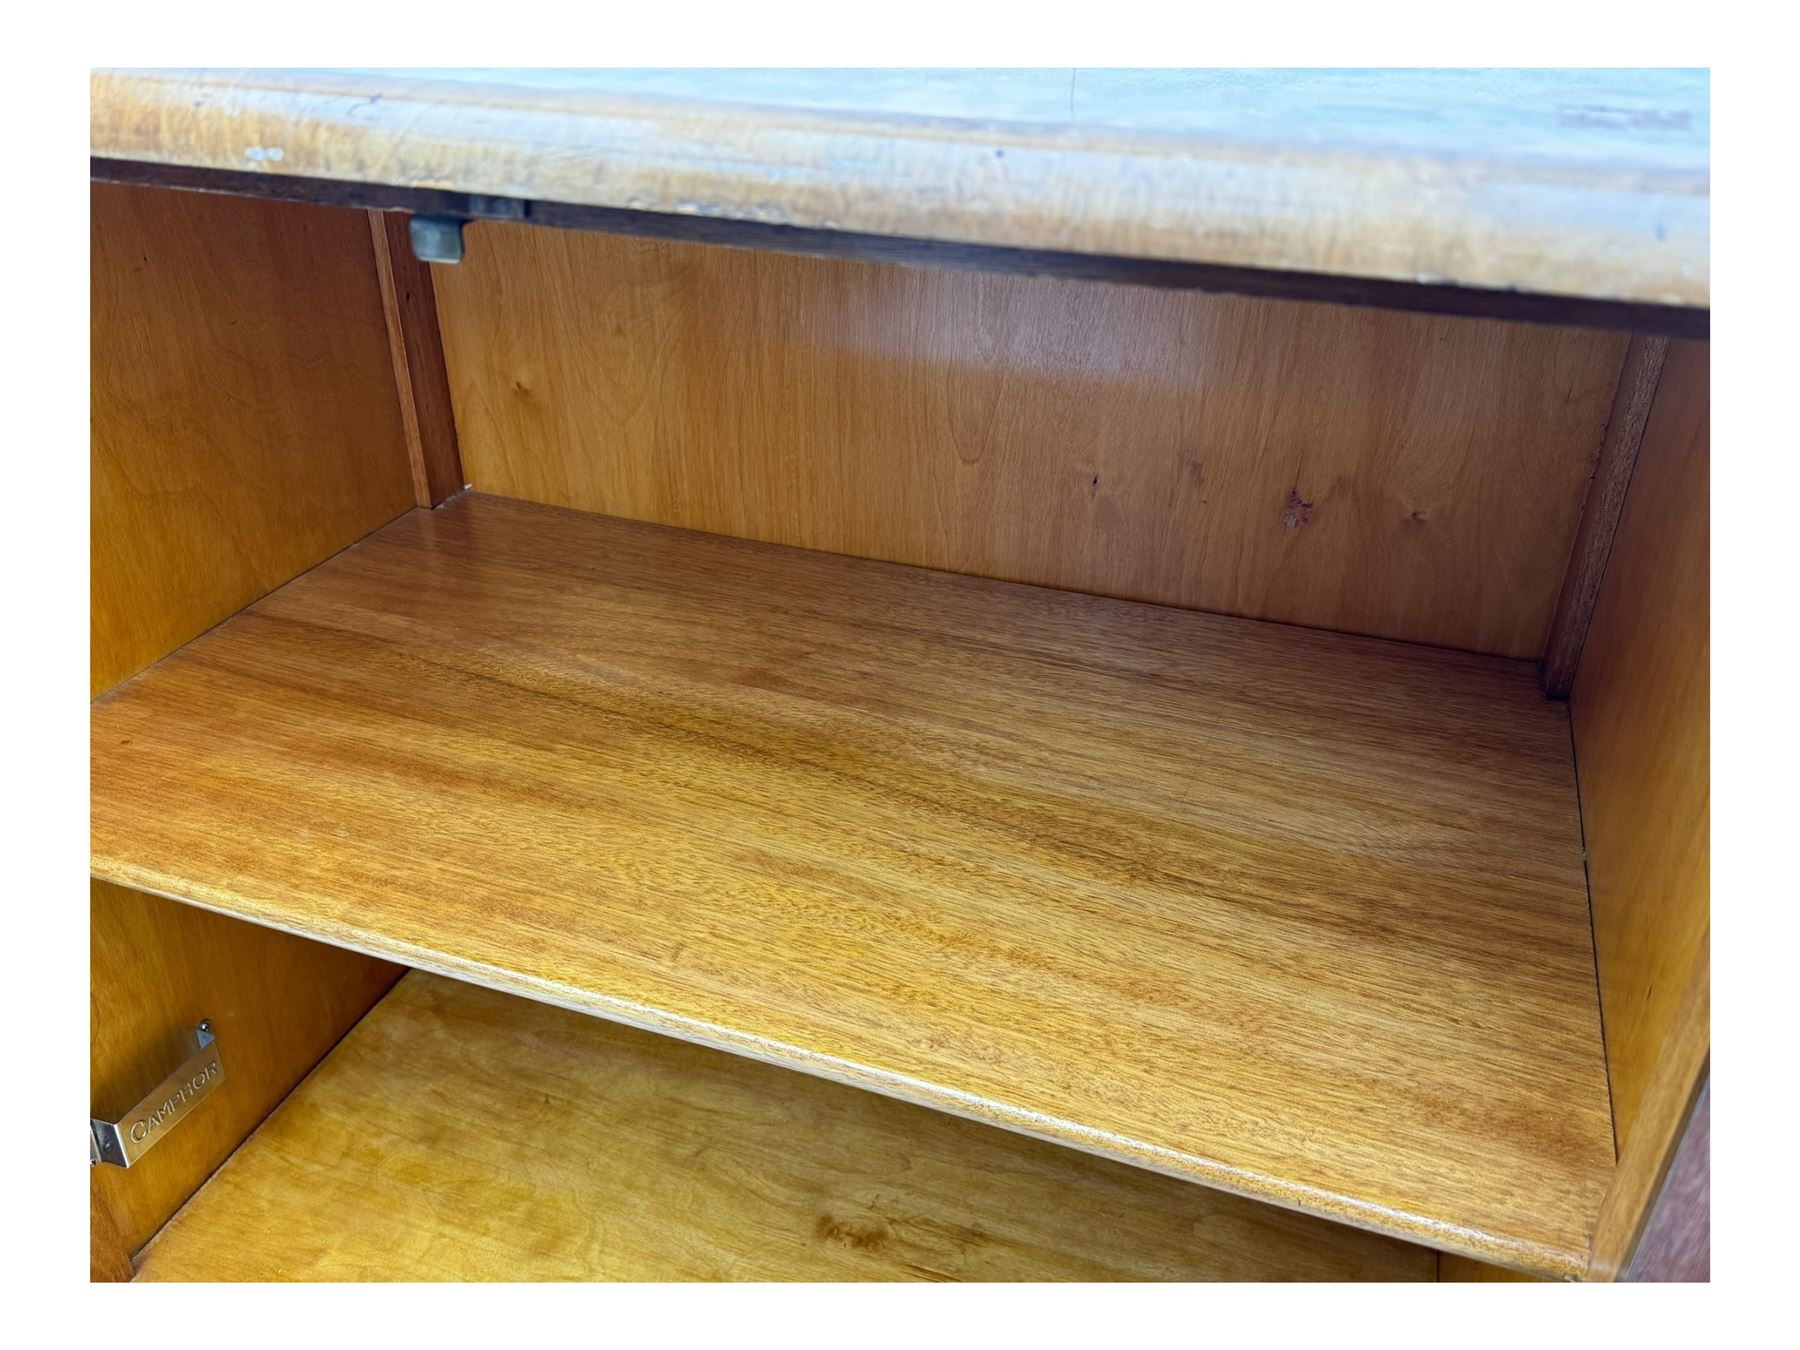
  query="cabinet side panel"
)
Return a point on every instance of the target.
[
  {"x": 244, "y": 427},
  {"x": 245, "y": 423},
  {"x": 1399, "y": 475},
  {"x": 278, "y": 1002},
  {"x": 1640, "y": 713}
]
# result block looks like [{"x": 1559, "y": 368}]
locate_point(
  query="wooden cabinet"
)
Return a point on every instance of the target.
[{"x": 779, "y": 724}]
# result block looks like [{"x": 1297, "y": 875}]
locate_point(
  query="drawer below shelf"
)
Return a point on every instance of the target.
[{"x": 463, "y": 1134}]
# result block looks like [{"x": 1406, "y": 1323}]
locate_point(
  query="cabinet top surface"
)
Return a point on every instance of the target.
[
  {"x": 1295, "y": 914},
  {"x": 1587, "y": 183}
]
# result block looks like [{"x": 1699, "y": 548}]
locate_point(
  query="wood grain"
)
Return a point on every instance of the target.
[
  {"x": 278, "y": 1003},
  {"x": 1640, "y": 711},
  {"x": 460, "y": 1134},
  {"x": 1589, "y": 183},
  {"x": 1645, "y": 1161},
  {"x": 244, "y": 420},
  {"x": 1395, "y": 475},
  {"x": 1297, "y": 915},
  {"x": 409, "y": 302},
  {"x": 1600, "y": 516},
  {"x": 243, "y": 428},
  {"x": 108, "y": 1261}
]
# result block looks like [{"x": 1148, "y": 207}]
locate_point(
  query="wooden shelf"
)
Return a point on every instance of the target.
[
  {"x": 1295, "y": 914},
  {"x": 1573, "y": 183},
  {"x": 460, "y": 1134}
]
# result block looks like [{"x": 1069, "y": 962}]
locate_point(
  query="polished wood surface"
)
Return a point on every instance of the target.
[
  {"x": 1645, "y": 1162},
  {"x": 1395, "y": 475},
  {"x": 1640, "y": 710},
  {"x": 1600, "y": 516},
  {"x": 409, "y": 301},
  {"x": 1294, "y": 914},
  {"x": 278, "y": 1003},
  {"x": 243, "y": 428},
  {"x": 244, "y": 424},
  {"x": 1589, "y": 183},
  {"x": 461, "y": 1134}
]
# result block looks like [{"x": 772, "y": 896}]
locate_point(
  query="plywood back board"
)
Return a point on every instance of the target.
[
  {"x": 1397, "y": 475},
  {"x": 245, "y": 427}
]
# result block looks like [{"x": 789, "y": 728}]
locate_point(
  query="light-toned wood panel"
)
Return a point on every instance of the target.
[
  {"x": 1600, "y": 516},
  {"x": 108, "y": 1261},
  {"x": 1641, "y": 708},
  {"x": 409, "y": 301},
  {"x": 1291, "y": 913},
  {"x": 244, "y": 418},
  {"x": 1569, "y": 182},
  {"x": 244, "y": 427},
  {"x": 599, "y": 1152},
  {"x": 277, "y": 1004},
  {"x": 1656, "y": 1136},
  {"x": 1396, "y": 475}
]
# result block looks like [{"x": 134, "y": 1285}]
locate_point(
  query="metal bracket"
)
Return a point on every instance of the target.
[
  {"x": 123, "y": 1142},
  {"x": 436, "y": 239}
]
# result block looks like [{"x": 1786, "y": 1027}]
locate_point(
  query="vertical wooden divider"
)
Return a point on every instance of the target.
[
  {"x": 410, "y": 304},
  {"x": 1600, "y": 516}
]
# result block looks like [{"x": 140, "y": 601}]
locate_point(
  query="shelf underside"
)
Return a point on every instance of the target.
[
  {"x": 1290, "y": 913},
  {"x": 461, "y": 1134}
]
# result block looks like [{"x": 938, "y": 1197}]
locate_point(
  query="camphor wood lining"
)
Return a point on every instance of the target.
[
  {"x": 461, "y": 1134},
  {"x": 108, "y": 1261},
  {"x": 1640, "y": 710},
  {"x": 1578, "y": 183},
  {"x": 244, "y": 421},
  {"x": 409, "y": 302},
  {"x": 278, "y": 1003},
  {"x": 1389, "y": 474},
  {"x": 243, "y": 428},
  {"x": 1600, "y": 516},
  {"x": 1290, "y": 913}
]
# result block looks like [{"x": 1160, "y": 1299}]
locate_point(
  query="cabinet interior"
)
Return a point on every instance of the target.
[{"x": 879, "y": 772}]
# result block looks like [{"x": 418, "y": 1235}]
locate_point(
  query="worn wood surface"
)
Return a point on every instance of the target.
[
  {"x": 243, "y": 428},
  {"x": 1586, "y": 183},
  {"x": 277, "y": 1004},
  {"x": 408, "y": 299},
  {"x": 244, "y": 424},
  {"x": 1600, "y": 516},
  {"x": 1397, "y": 475},
  {"x": 461, "y": 1134},
  {"x": 1640, "y": 708},
  {"x": 1294, "y": 914}
]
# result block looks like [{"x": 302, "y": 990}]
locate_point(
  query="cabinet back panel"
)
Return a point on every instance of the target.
[
  {"x": 1640, "y": 713},
  {"x": 245, "y": 426},
  {"x": 1399, "y": 475}
]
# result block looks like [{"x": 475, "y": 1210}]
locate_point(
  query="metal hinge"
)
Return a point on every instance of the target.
[{"x": 123, "y": 1142}]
